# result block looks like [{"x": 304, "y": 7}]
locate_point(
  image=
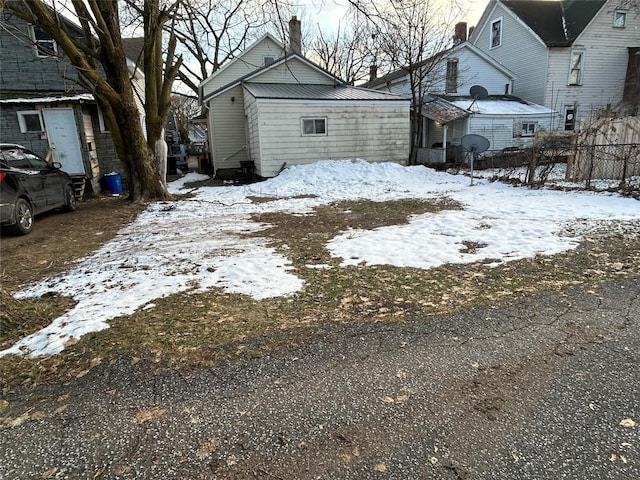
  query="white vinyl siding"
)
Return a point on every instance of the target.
[
  {"x": 521, "y": 51},
  {"x": 251, "y": 112},
  {"x": 249, "y": 61},
  {"x": 293, "y": 71},
  {"x": 227, "y": 125},
  {"x": 506, "y": 131},
  {"x": 604, "y": 66},
  {"x": 472, "y": 70},
  {"x": 374, "y": 131}
]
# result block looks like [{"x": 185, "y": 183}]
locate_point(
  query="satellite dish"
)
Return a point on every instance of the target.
[
  {"x": 474, "y": 144},
  {"x": 478, "y": 92}
]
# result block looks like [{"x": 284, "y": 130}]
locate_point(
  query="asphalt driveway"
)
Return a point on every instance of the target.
[{"x": 547, "y": 387}]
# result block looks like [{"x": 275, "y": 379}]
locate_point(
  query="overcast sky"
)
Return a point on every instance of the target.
[{"x": 327, "y": 12}]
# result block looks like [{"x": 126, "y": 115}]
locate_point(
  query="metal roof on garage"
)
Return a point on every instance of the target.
[{"x": 295, "y": 91}]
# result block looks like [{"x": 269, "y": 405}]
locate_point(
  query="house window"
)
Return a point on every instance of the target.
[
  {"x": 314, "y": 126},
  {"x": 268, "y": 60},
  {"x": 528, "y": 129},
  {"x": 569, "y": 117},
  {"x": 30, "y": 121},
  {"x": 45, "y": 45},
  {"x": 619, "y": 18},
  {"x": 452, "y": 76},
  {"x": 103, "y": 125},
  {"x": 495, "y": 38},
  {"x": 575, "y": 71}
]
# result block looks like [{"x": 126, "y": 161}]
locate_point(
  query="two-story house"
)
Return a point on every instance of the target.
[
  {"x": 450, "y": 111},
  {"x": 574, "y": 56},
  {"x": 271, "y": 107},
  {"x": 44, "y": 106}
]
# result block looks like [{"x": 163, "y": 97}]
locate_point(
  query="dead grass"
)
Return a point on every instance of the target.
[{"x": 198, "y": 329}]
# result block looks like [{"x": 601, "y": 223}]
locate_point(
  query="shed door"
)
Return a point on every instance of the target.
[{"x": 62, "y": 132}]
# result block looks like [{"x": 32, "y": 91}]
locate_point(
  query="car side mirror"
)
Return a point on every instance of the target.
[{"x": 57, "y": 165}]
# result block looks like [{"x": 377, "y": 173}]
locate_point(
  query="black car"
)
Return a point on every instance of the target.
[{"x": 29, "y": 185}]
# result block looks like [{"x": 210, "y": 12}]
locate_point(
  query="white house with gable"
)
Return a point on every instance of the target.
[
  {"x": 579, "y": 57},
  {"x": 450, "y": 112},
  {"x": 272, "y": 108}
]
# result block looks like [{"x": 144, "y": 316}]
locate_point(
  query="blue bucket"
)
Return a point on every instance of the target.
[{"x": 112, "y": 182}]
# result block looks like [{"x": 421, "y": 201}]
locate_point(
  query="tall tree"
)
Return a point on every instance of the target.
[
  {"x": 99, "y": 58},
  {"x": 184, "y": 108},
  {"x": 411, "y": 35},
  {"x": 348, "y": 52}
]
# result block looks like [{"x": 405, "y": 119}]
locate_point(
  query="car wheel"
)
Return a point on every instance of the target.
[
  {"x": 69, "y": 199},
  {"x": 23, "y": 216}
]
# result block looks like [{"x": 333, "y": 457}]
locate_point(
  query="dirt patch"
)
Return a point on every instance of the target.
[{"x": 59, "y": 238}]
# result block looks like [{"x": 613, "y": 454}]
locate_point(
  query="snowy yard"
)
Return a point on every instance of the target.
[{"x": 200, "y": 243}]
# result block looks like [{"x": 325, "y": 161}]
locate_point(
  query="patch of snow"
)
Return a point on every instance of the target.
[{"x": 200, "y": 243}]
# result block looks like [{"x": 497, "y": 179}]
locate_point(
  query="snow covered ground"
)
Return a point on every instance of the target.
[{"x": 196, "y": 244}]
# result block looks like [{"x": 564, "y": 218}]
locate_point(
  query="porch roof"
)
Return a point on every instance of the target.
[
  {"x": 499, "y": 105},
  {"x": 442, "y": 111}
]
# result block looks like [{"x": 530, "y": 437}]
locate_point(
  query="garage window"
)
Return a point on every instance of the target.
[
  {"x": 314, "y": 126},
  {"x": 30, "y": 121}
]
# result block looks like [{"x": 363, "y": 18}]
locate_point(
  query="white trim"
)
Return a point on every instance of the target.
[
  {"x": 334, "y": 103},
  {"x": 593, "y": 19},
  {"x": 71, "y": 98},
  {"x": 101, "y": 122},
  {"x": 36, "y": 44},
  {"x": 624, "y": 15},
  {"x": 260, "y": 71},
  {"x": 582, "y": 53},
  {"x": 488, "y": 58},
  {"x": 239, "y": 57},
  {"x": 23, "y": 124},
  {"x": 535, "y": 128},
  {"x": 314, "y": 120},
  {"x": 491, "y": 7}
]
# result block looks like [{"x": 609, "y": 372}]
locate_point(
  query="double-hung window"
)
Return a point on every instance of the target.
[
  {"x": 576, "y": 68},
  {"x": 452, "y": 76},
  {"x": 314, "y": 126}
]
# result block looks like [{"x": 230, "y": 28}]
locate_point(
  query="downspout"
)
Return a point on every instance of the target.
[{"x": 444, "y": 142}]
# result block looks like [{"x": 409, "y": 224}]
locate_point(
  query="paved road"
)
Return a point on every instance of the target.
[{"x": 545, "y": 388}]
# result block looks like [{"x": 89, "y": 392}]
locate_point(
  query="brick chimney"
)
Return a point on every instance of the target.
[
  {"x": 373, "y": 72},
  {"x": 460, "y": 33},
  {"x": 295, "y": 36}
]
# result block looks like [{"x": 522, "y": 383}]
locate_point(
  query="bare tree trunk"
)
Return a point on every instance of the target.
[{"x": 100, "y": 42}]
